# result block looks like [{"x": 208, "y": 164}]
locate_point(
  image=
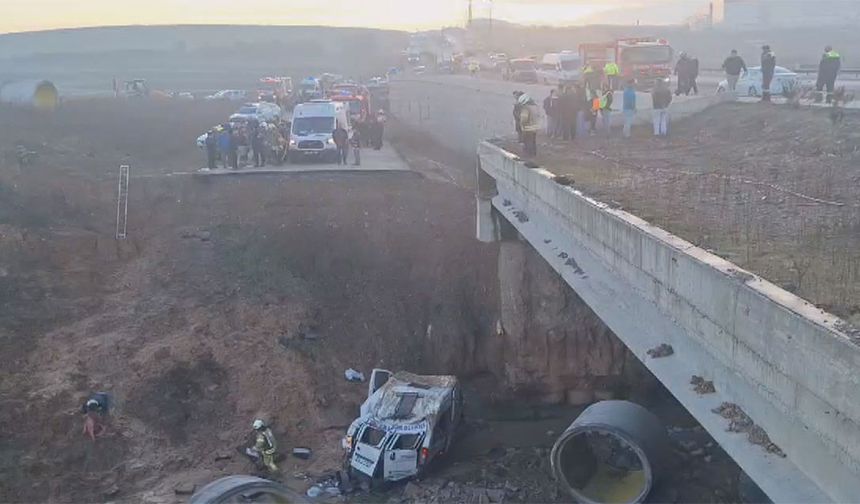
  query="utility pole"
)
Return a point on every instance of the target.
[{"x": 469, "y": 20}]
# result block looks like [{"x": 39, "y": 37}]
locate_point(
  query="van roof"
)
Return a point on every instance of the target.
[{"x": 409, "y": 398}]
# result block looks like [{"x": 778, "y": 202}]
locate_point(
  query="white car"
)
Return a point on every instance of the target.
[
  {"x": 750, "y": 82},
  {"x": 260, "y": 111},
  {"x": 229, "y": 95}
]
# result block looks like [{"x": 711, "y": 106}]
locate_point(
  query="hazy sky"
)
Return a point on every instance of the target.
[{"x": 25, "y": 15}]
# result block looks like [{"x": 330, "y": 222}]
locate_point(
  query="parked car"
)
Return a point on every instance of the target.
[
  {"x": 750, "y": 82},
  {"x": 229, "y": 95},
  {"x": 261, "y": 111},
  {"x": 406, "y": 422},
  {"x": 522, "y": 70}
]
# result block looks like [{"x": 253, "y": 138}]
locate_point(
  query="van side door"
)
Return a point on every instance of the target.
[{"x": 401, "y": 456}]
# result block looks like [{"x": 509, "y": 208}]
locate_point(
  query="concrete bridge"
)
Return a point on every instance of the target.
[{"x": 774, "y": 358}]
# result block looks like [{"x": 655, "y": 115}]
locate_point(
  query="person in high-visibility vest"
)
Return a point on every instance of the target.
[
  {"x": 264, "y": 448},
  {"x": 828, "y": 70},
  {"x": 611, "y": 71}
]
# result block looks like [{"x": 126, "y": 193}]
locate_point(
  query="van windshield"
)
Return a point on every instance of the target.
[{"x": 303, "y": 126}]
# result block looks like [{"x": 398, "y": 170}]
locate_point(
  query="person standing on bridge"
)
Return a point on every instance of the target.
[
  {"x": 733, "y": 66},
  {"x": 356, "y": 147},
  {"x": 225, "y": 139},
  {"x": 661, "y": 98},
  {"x": 828, "y": 70},
  {"x": 341, "y": 141},
  {"x": 629, "y": 107},
  {"x": 568, "y": 107},
  {"x": 768, "y": 67},
  {"x": 211, "y": 148},
  {"x": 258, "y": 145},
  {"x": 550, "y": 108},
  {"x": 530, "y": 123},
  {"x": 611, "y": 71},
  {"x": 517, "y": 110}
]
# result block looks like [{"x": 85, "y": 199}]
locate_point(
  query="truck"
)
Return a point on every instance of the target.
[
  {"x": 646, "y": 59},
  {"x": 356, "y": 97},
  {"x": 312, "y": 127},
  {"x": 406, "y": 422},
  {"x": 310, "y": 89}
]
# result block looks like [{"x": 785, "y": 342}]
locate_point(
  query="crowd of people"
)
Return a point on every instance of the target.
[
  {"x": 239, "y": 143},
  {"x": 574, "y": 110}
]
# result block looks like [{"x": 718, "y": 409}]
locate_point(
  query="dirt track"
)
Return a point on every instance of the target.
[{"x": 772, "y": 189}]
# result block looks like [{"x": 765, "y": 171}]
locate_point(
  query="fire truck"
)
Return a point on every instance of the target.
[
  {"x": 357, "y": 98},
  {"x": 645, "y": 59}
]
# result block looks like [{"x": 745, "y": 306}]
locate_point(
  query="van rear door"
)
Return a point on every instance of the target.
[{"x": 401, "y": 456}]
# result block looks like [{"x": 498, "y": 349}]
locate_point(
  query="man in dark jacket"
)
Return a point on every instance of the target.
[
  {"x": 568, "y": 108},
  {"x": 661, "y": 98},
  {"x": 550, "y": 108},
  {"x": 211, "y": 148},
  {"x": 768, "y": 66},
  {"x": 828, "y": 70},
  {"x": 733, "y": 66},
  {"x": 694, "y": 74},
  {"x": 258, "y": 145},
  {"x": 341, "y": 141},
  {"x": 682, "y": 70}
]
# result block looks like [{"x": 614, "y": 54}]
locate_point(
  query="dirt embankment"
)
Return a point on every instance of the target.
[
  {"x": 232, "y": 298},
  {"x": 770, "y": 188}
]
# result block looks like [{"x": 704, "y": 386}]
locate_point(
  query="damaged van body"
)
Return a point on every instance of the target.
[{"x": 406, "y": 422}]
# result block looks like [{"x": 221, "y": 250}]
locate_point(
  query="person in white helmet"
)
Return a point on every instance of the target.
[
  {"x": 265, "y": 447},
  {"x": 95, "y": 411}
]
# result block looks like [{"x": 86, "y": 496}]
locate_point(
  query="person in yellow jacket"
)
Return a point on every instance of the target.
[
  {"x": 265, "y": 447},
  {"x": 611, "y": 71},
  {"x": 828, "y": 70}
]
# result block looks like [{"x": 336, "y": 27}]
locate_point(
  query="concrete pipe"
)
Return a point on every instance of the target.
[
  {"x": 613, "y": 452},
  {"x": 39, "y": 94}
]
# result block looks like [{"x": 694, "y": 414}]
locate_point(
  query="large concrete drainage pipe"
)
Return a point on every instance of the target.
[{"x": 613, "y": 452}]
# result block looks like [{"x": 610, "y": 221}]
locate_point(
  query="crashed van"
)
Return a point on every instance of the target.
[{"x": 406, "y": 422}]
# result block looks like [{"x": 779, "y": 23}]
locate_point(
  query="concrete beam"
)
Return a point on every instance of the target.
[{"x": 783, "y": 361}]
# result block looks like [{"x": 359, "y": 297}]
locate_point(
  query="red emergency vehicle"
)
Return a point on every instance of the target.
[
  {"x": 645, "y": 59},
  {"x": 357, "y": 98}
]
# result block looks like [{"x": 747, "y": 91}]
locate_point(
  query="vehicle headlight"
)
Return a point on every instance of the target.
[
  {"x": 292, "y": 142},
  {"x": 330, "y": 141}
]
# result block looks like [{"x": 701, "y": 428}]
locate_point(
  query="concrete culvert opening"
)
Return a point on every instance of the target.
[{"x": 611, "y": 453}]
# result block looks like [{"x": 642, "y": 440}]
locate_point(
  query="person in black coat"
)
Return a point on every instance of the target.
[{"x": 768, "y": 67}]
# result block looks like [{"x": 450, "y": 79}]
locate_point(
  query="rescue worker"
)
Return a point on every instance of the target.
[
  {"x": 693, "y": 75},
  {"x": 95, "y": 410},
  {"x": 568, "y": 105},
  {"x": 517, "y": 110},
  {"x": 341, "y": 141},
  {"x": 591, "y": 77},
  {"x": 768, "y": 66},
  {"x": 265, "y": 447},
  {"x": 611, "y": 71},
  {"x": 733, "y": 65},
  {"x": 828, "y": 70},
  {"x": 530, "y": 122}
]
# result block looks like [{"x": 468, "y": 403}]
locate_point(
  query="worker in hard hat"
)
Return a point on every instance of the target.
[
  {"x": 95, "y": 411},
  {"x": 264, "y": 446}
]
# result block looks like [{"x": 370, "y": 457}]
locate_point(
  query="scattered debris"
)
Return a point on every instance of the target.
[
  {"x": 113, "y": 491},
  {"x": 199, "y": 234},
  {"x": 663, "y": 350},
  {"x": 521, "y": 216},
  {"x": 739, "y": 421},
  {"x": 353, "y": 375},
  {"x": 506, "y": 202},
  {"x": 702, "y": 386},
  {"x": 185, "y": 488},
  {"x": 573, "y": 264},
  {"x": 302, "y": 453},
  {"x": 565, "y": 180},
  {"x": 223, "y": 456}
]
